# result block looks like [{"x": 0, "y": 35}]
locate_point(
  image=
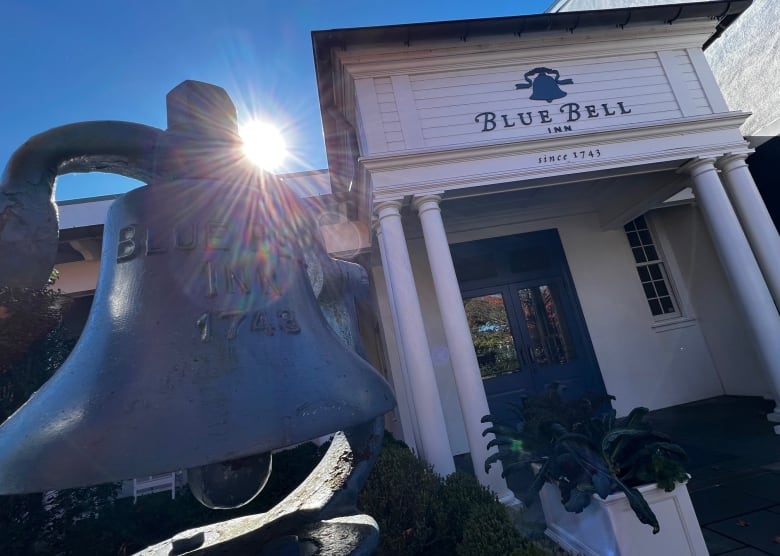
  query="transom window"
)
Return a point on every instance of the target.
[{"x": 651, "y": 270}]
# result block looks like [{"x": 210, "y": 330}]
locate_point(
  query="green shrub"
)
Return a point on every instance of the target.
[
  {"x": 487, "y": 531},
  {"x": 419, "y": 513},
  {"x": 402, "y": 494},
  {"x": 482, "y": 525}
]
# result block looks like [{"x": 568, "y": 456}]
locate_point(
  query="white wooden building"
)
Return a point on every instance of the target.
[{"x": 507, "y": 161}]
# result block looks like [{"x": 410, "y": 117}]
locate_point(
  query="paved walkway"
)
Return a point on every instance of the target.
[{"x": 735, "y": 469}]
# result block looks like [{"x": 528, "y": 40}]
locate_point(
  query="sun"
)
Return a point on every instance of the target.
[{"x": 263, "y": 144}]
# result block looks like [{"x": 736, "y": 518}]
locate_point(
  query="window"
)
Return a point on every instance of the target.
[{"x": 651, "y": 270}]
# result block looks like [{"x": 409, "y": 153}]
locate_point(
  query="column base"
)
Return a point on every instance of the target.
[
  {"x": 511, "y": 501},
  {"x": 774, "y": 417}
]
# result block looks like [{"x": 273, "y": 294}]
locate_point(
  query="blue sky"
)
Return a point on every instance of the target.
[{"x": 78, "y": 60}]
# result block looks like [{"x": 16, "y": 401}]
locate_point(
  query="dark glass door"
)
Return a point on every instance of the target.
[{"x": 524, "y": 318}]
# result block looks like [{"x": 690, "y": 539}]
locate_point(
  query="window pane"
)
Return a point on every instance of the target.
[
  {"x": 491, "y": 334},
  {"x": 651, "y": 253},
  {"x": 476, "y": 267},
  {"x": 528, "y": 259},
  {"x": 639, "y": 255},
  {"x": 650, "y": 268}
]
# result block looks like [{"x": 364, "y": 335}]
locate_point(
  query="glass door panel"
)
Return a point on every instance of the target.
[
  {"x": 491, "y": 334},
  {"x": 546, "y": 325}
]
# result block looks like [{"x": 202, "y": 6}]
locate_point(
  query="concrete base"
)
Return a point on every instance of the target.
[{"x": 774, "y": 417}]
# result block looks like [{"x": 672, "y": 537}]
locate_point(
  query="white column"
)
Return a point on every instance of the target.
[
  {"x": 754, "y": 217},
  {"x": 741, "y": 268},
  {"x": 471, "y": 393},
  {"x": 403, "y": 391},
  {"x": 433, "y": 439}
]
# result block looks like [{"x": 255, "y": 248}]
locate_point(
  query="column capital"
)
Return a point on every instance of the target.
[
  {"x": 388, "y": 208},
  {"x": 732, "y": 161},
  {"x": 426, "y": 202},
  {"x": 697, "y": 166}
]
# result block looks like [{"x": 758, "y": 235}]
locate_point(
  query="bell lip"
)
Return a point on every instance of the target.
[
  {"x": 40, "y": 484},
  {"x": 16, "y": 453}
]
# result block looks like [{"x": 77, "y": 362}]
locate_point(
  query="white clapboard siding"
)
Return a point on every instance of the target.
[
  {"x": 449, "y": 78},
  {"x": 388, "y": 110},
  {"x": 383, "y": 85},
  {"x": 519, "y": 101},
  {"x": 439, "y": 108},
  {"x": 647, "y": 104},
  {"x": 511, "y": 104},
  {"x": 447, "y": 103},
  {"x": 693, "y": 85},
  {"x": 433, "y": 136}
]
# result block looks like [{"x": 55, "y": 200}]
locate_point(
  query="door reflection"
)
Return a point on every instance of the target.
[{"x": 491, "y": 334}]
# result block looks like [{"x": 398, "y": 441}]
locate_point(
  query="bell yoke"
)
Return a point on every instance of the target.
[{"x": 205, "y": 341}]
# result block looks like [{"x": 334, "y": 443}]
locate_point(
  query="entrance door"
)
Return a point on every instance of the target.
[{"x": 525, "y": 321}]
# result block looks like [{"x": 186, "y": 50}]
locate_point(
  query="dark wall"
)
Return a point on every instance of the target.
[{"x": 765, "y": 167}]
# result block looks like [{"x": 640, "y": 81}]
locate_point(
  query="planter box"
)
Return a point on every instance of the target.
[{"x": 610, "y": 528}]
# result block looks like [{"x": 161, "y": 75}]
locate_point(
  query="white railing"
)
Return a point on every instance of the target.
[{"x": 155, "y": 483}]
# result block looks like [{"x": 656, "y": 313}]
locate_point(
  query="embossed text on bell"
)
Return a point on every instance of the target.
[{"x": 205, "y": 342}]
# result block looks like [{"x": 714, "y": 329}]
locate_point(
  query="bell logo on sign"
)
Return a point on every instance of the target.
[{"x": 546, "y": 84}]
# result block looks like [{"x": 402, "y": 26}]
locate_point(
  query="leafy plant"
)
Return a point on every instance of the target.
[{"x": 585, "y": 450}]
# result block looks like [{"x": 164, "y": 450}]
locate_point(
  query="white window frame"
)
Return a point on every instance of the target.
[{"x": 682, "y": 316}]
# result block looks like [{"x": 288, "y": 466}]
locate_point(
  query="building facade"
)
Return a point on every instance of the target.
[{"x": 572, "y": 175}]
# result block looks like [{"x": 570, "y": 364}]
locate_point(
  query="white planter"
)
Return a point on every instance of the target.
[{"x": 610, "y": 527}]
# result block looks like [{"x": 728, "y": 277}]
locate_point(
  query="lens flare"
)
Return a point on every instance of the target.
[{"x": 263, "y": 144}]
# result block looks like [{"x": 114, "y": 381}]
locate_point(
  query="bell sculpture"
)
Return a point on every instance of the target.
[
  {"x": 546, "y": 84},
  {"x": 206, "y": 348}
]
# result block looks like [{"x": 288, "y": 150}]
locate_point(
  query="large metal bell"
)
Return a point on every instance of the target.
[{"x": 205, "y": 343}]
